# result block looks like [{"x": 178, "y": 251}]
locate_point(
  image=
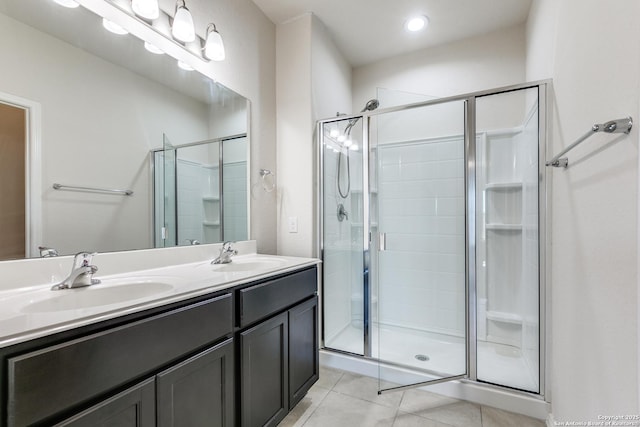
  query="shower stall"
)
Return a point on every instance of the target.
[{"x": 432, "y": 238}]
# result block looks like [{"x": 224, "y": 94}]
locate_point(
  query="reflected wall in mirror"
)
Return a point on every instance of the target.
[{"x": 97, "y": 106}]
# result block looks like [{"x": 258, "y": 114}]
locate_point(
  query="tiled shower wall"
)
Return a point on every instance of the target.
[
  {"x": 421, "y": 208},
  {"x": 235, "y": 201},
  {"x": 195, "y": 180}
]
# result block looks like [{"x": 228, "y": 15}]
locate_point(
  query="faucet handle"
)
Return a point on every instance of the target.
[{"x": 83, "y": 259}]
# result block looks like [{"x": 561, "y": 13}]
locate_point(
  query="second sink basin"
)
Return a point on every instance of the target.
[{"x": 97, "y": 295}]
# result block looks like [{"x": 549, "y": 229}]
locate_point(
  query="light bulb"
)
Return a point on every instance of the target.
[
  {"x": 183, "y": 28},
  {"x": 213, "y": 46},
  {"x": 334, "y": 133},
  {"x": 113, "y": 27},
  {"x": 342, "y": 138},
  {"x": 67, "y": 3},
  {"x": 146, "y": 8},
  {"x": 348, "y": 143},
  {"x": 353, "y": 147},
  {"x": 185, "y": 66},
  {"x": 153, "y": 48}
]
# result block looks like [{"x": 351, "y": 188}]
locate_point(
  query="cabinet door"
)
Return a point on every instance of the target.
[
  {"x": 198, "y": 391},
  {"x": 134, "y": 407},
  {"x": 264, "y": 373},
  {"x": 303, "y": 349}
]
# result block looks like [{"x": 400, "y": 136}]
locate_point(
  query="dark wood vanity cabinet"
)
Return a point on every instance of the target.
[
  {"x": 242, "y": 357},
  {"x": 278, "y": 356}
]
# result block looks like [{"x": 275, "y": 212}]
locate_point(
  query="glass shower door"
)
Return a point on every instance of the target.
[
  {"x": 343, "y": 233},
  {"x": 417, "y": 175}
]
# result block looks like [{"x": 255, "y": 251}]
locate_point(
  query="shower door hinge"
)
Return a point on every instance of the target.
[{"x": 382, "y": 242}]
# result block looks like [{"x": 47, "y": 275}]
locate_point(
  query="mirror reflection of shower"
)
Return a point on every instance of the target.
[{"x": 347, "y": 143}]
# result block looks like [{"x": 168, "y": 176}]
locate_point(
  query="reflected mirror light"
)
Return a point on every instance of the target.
[
  {"x": 113, "y": 27},
  {"x": 67, "y": 3},
  {"x": 146, "y": 8},
  {"x": 185, "y": 66},
  {"x": 334, "y": 133},
  {"x": 153, "y": 48}
]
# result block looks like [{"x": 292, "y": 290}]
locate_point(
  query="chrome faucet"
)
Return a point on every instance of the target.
[
  {"x": 46, "y": 252},
  {"x": 81, "y": 273},
  {"x": 226, "y": 252}
]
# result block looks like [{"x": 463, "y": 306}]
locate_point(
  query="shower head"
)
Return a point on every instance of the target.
[{"x": 371, "y": 105}]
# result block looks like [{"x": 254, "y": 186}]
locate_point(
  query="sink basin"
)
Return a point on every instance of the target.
[
  {"x": 255, "y": 264},
  {"x": 96, "y": 295}
]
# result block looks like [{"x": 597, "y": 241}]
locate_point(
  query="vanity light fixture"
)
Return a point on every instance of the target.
[
  {"x": 185, "y": 66},
  {"x": 71, "y": 4},
  {"x": 183, "y": 28},
  {"x": 113, "y": 27},
  {"x": 416, "y": 23},
  {"x": 148, "y": 9},
  {"x": 153, "y": 48},
  {"x": 213, "y": 46}
]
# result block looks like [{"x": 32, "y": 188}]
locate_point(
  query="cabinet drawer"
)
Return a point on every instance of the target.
[
  {"x": 46, "y": 382},
  {"x": 258, "y": 302}
]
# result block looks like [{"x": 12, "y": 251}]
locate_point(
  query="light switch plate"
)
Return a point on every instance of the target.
[{"x": 293, "y": 224}]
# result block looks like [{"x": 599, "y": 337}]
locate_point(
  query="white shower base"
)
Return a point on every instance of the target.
[{"x": 497, "y": 363}]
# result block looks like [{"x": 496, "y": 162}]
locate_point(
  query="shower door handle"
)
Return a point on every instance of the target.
[{"x": 382, "y": 242}]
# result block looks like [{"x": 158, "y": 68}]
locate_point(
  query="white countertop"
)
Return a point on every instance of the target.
[{"x": 29, "y": 312}]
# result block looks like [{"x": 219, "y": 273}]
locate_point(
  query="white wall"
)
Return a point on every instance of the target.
[
  {"x": 493, "y": 60},
  {"x": 313, "y": 82},
  {"x": 593, "y": 55},
  {"x": 250, "y": 70}
]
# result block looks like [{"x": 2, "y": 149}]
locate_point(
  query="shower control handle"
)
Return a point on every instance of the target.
[{"x": 382, "y": 242}]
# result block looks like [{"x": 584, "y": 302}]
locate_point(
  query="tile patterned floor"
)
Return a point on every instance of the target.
[{"x": 343, "y": 399}]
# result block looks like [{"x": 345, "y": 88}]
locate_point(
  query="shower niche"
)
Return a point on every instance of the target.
[{"x": 436, "y": 271}]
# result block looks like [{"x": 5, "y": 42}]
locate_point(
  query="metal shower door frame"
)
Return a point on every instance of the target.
[{"x": 470, "y": 227}]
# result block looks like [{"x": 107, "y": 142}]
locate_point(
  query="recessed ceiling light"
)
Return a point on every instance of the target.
[{"x": 416, "y": 23}]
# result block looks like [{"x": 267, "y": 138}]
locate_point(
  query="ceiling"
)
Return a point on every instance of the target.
[{"x": 367, "y": 31}]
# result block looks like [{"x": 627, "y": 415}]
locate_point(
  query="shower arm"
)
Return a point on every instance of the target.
[{"x": 613, "y": 126}]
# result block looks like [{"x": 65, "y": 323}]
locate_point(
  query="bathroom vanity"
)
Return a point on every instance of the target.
[{"x": 233, "y": 346}]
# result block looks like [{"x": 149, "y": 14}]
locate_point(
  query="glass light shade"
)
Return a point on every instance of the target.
[
  {"x": 213, "y": 47},
  {"x": 334, "y": 133},
  {"x": 153, "y": 48},
  {"x": 185, "y": 66},
  {"x": 353, "y": 147},
  {"x": 146, "y": 8},
  {"x": 348, "y": 143},
  {"x": 183, "y": 28},
  {"x": 67, "y": 3},
  {"x": 113, "y": 27},
  {"x": 342, "y": 138}
]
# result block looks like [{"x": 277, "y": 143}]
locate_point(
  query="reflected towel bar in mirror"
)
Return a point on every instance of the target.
[{"x": 57, "y": 186}]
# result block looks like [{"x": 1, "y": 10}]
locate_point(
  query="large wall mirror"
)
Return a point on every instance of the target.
[{"x": 82, "y": 107}]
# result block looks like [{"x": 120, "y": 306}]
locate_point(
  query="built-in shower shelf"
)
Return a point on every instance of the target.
[
  {"x": 501, "y": 316},
  {"x": 211, "y": 223},
  {"x": 503, "y": 186},
  {"x": 512, "y": 227},
  {"x": 210, "y": 199}
]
